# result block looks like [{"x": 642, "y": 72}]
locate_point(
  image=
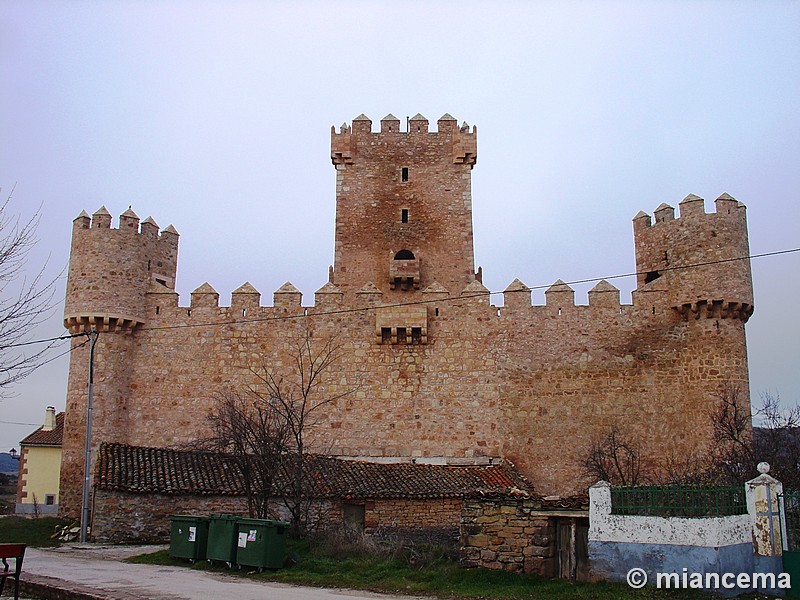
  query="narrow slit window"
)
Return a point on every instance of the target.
[
  {"x": 404, "y": 215},
  {"x": 404, "y": 174}
]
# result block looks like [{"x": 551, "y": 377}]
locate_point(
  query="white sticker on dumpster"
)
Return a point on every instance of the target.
[
  {"x": 251, "y": 536},
  {"x": 192, "y": 533},
  {"x": 242, "y": 539}
]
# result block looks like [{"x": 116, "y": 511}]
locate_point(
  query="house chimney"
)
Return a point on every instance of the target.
[{"x": 49, "y": 419}]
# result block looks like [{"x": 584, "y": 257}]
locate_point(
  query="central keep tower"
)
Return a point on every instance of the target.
[{"x": 403, "y": 206}]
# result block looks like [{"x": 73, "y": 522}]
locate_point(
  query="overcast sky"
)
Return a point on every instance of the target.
[{"x": 215, "y": 117}]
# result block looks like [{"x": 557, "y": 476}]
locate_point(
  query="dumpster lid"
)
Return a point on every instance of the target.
[{"x": 264, "y": 522}]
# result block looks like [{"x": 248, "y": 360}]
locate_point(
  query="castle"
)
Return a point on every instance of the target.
[{"x": 437, "y": 373}]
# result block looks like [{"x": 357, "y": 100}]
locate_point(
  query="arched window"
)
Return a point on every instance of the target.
[{"x": 404, "y": 255}]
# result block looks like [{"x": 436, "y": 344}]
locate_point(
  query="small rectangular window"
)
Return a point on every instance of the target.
[
  {"x": 50, "y": 499},
  {"x": 401, "y": 335},
  {"x": 404, "y": 215},
  {"x": 386, "y": 335},
  {"x": 404, "y": 174},
  {"x": 416, "y": 335}
]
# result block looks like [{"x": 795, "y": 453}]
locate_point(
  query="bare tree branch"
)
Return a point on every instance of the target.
[
  {"x": 616, "y": 459},
  {"x": 298, "y": 398},
  {"x": 25, "y": 302}
]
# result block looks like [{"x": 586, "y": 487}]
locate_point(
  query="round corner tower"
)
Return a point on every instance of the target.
[
  {"x": 697, "y": 269},
  {"x": 110, "y": 273}
]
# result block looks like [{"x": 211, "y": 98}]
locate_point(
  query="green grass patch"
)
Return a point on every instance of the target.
[
  {"x": 396, "y": 572},
  {"x": 36, "y": 533}
]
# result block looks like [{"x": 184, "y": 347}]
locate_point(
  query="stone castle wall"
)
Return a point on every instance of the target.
[{"x": 453, "y": 378}]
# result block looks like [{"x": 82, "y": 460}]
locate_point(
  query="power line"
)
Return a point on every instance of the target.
[
  {"x": 454, "y": 298},
  {"x": 57, "y": 356},
  {"x": 403, "y": 304},
  {"x": 30, "y": 343}
]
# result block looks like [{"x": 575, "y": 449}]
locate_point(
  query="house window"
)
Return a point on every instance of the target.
[
  {"x": 50, "y": 499},
  {"x": 404, "y": 174}
]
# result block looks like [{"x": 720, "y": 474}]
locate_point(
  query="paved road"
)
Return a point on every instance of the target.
[{"x": 90, "y": 568}]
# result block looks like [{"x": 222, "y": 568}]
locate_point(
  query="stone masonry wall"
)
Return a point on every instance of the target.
[
  {"x": 120, "y": 517},
  {"x": 413, "y": 514},
  {"x": 508, "y": 535},
  {"x": 143, "y": 518}
]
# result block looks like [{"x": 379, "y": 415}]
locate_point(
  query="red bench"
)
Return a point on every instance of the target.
[{"x": 15, "y": 551}]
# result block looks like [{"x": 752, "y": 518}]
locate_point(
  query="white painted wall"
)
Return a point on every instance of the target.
[{"x": 711, "y": 532}]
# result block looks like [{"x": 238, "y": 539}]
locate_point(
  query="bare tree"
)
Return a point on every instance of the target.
[
  {"x": 777, "y": 439},
  {"x": 738, "y": 446},
  {"x": 616, "y": 459},
  {"x": 25, "y": 301},
  {"x": 731, "y": 453},
  {"x": 299, "y": 395},
  {"x": 254, "y": 437},
  {"x": 265, "y": 429}
]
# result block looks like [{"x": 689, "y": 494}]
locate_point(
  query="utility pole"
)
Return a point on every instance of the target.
[{"x": 87, "y": 457}]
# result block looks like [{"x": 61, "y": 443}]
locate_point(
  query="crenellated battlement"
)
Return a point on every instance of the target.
[
  {"x": 516, "y": 296},
  {"x": 128, "y": 222},
  {"x": 346, "y": 141},
  {"x": 691, "y": 207}
]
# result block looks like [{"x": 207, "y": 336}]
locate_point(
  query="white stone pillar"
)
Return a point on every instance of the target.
[{"x": 762, "y": 506}]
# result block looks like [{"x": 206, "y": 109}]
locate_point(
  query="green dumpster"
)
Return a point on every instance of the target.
[
  {"x": 188, "y": 537},
  {"x": 261, "y": 543},
  {"x": 223, "y": 534}
]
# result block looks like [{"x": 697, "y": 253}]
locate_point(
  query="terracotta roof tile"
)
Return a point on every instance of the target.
[
  {"x": 46, "y": 438},
  {"x": 168, "y": 471}
]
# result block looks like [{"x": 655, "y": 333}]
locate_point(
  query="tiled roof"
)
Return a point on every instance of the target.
[
  {"x": 167, "y": 471},
  {"x": 46, "y": 438}
]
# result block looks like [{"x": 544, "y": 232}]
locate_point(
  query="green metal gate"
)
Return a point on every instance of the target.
[{"x": 790, "y": 507}]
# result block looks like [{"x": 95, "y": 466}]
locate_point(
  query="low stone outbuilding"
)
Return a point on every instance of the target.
[{"x": 137, "y": 489}]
